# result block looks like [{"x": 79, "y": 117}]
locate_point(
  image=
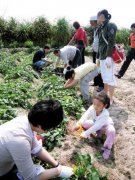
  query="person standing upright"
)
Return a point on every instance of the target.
[
  {"x": 80, "y": 38},
  {"x": 98, "y": 79},
  {"x": 130, "y": 55},
  {"x": 107, "y": 33}
]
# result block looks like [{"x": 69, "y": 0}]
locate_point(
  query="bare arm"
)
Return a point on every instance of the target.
[
  {"x": 45, "y": 156},
  {"x": 86, "y": 39},
  {"x": 62, "y": 171},
  {"x": 70, "y": 83},
  {"x": 57, "y": 62},
  {"x": 46, "y": 60},
  {"x": 71, "y": 41},
  {"x": 65, "y": 65},
  {"x": 50, "y": 173}
]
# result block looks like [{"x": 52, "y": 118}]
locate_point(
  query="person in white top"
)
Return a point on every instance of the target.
[
  {"x": 97, "y": 120},
  {"x": 70, "y": 55},
  {"x": 93, "y": 23},
  {"x": 18, "y": 142},
  {"x": 84, "y": 73}
]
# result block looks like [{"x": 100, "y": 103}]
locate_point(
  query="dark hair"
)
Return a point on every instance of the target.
[
  {"x": 103, "y": 97},
  {"x": 46, "y": 113},
  {"x": 76, "y": 25},
  {"x": 70, "y": 71},
  {"x": 105, "y": 13},
  {"x": 56, "y": 51},
  {"x": 133, "y": 25},
  {"x": 46, "y": 47}
]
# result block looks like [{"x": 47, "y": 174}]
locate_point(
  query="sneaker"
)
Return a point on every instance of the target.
[
  {"x": 118, "y": 76},
  {"x": 106, "y": 153},
  {"x": 100, "y": 89}
]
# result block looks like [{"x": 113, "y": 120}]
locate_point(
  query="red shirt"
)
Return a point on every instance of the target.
[
  {"x": 132, "y": 40},
  {"x": 81, "y": 35}
]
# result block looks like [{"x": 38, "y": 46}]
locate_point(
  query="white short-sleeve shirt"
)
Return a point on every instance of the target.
[
  {"x": 67, "y": 53},
  {"x": 17, "y": 143}
]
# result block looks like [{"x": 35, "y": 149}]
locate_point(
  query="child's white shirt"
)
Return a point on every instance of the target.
[{"x": 99, "y": 122}]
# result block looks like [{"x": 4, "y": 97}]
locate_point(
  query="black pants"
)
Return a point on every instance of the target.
[
  {"x": 81, "y": 47},
  {"x": 11, "y": 175},
  {"x": 98, "y": 79},
  {"x": 83, "y": 58},
  {"x": 130, "y": 56},
  {"x": 77, "y": 59}
]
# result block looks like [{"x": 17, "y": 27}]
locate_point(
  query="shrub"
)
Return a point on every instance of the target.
[
  {"x": 14, "y": 44},
  {"x": 28, "y": 44}
]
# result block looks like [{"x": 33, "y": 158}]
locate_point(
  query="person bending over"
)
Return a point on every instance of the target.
[
  {"x": 18, "y": 141},
  {"x": 39, "y": 59},
  {"x": 83, "y": 74},
  {"x": 70, "y": 55}
]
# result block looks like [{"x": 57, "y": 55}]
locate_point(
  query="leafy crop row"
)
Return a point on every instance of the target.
[{"x": 53, "y": 86}]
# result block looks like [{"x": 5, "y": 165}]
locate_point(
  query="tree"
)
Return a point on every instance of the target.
[
  {"x": 41, "y": 31},
  {"x": 61, "y": 32},
  {"x": 122, "y": 36},
  {"x": 90, "y": 33},
  {"x": 10, "y": 31},
  {"x": 2, "y": 30},
  {"x": 22, "y": 32}
]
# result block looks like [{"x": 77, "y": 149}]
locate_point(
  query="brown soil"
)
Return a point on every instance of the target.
[{"x": 121, "y": 165}]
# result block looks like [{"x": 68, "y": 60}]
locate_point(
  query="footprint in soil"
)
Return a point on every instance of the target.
[{"x": 66, "y": 146}]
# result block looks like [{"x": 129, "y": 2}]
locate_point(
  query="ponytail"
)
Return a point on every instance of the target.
[
  {"x": 109, "y": 16},
  {"x": 105, "y": 13}
]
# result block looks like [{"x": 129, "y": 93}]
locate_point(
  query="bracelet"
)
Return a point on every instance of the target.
[{"x": 57, "y": 165}]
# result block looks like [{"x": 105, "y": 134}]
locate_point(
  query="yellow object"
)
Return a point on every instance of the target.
[{"x": 79, "y": 131}]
